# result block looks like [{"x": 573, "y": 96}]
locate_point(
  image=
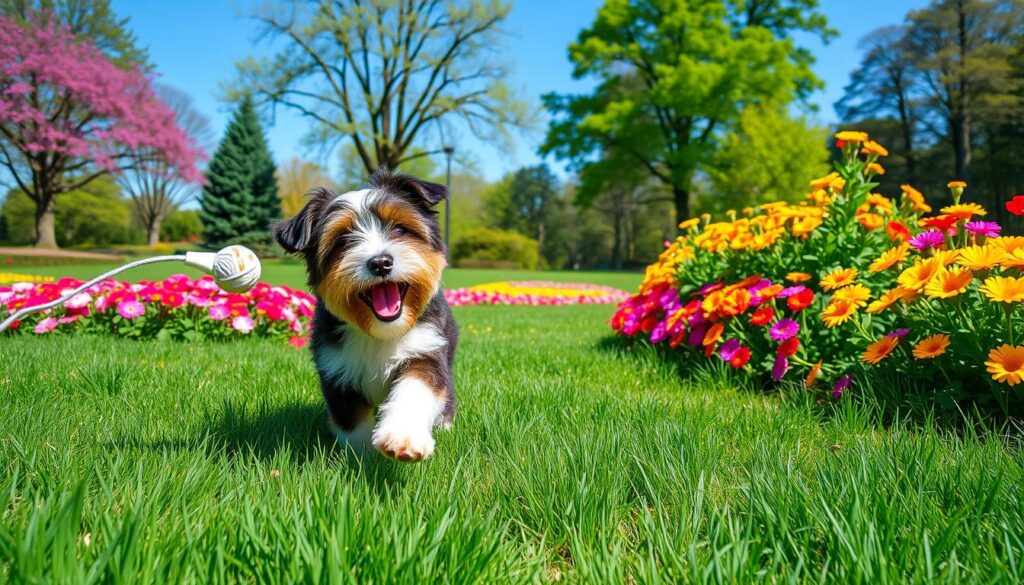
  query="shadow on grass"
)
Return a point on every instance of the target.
[{"x": 297, "y": 431}]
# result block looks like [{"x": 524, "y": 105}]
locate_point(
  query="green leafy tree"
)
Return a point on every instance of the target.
[
  {"x": 673, "y": 76},
  {"x": 239, "y": 199},
  {"x": 769, "y": 156},
  {"x": 529, "y": 202},
  {"x": 378, "y": 74},
  {"x": 183, "y": 225},
  {"x": 95, "y": 215}
]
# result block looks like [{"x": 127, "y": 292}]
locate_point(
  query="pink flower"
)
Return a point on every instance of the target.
[
  {"x": 79, "y": 301},
  {"x": 46, "y": 325},
  {"x": 925, "y": 240},
  {"x": 298, "y": 342},
  {"x": 780, "y": 367},
  {"x": 989, "y": 229},
  {"x": 784, "y": 329},
  {"x": 131, "y": 309},
  {"x": 242, "y": 324},
  {"x": 219, "y": 312}
]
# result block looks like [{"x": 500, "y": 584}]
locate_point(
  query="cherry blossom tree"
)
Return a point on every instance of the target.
[{"x": 68, "y": 115}]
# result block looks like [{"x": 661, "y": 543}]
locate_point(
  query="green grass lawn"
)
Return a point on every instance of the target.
[{"x": 572, "y": 459}]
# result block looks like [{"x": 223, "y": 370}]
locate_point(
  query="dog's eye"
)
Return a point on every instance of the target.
[{"x": 399, "y": 230}]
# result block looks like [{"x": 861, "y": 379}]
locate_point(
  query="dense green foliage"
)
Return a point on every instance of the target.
[
  {"x": 95, "y": 215},
  {"x": 572, "y": 459},
  {"x": 673, "y": 76},
  {"x": 239, "y": 200},
  {"x": 181, "y": 226}
]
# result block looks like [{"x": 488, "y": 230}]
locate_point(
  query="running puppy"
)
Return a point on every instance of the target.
[{"x": 383, "y": 335}]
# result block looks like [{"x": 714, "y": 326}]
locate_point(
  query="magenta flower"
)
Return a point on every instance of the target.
[
  {"x": 929, "y": 239},
  {"x": 989, "y": 229},
  {"x": 790, "y": 291},
  {"x": 219, "y": 312},
  {"x": 899, "y": 333},
  {"x": 729, "y": 349},
  {"x": 780, "y": 367},
  {"x": 841, "y": 385},
  {"x": 242, "y": 324},
  {"x": 46, "y": 325},
  {"x": 131, "y": 309},
  {"x": 784, "y": 329}
]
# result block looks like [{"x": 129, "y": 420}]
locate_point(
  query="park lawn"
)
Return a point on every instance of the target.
[{"x": 573, "y": 458}]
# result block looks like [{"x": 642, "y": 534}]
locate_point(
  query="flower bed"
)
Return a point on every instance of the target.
[
  {"x": 176, "y": 308},
  {"x": 535, "y": 292},
  {"x": 850, "y": 287}
]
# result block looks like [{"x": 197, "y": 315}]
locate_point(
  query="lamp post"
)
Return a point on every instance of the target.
[{"x": 448, "y": 151}]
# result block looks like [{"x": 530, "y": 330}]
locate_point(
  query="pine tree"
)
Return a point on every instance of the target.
[{"x": 240, "y": 196}]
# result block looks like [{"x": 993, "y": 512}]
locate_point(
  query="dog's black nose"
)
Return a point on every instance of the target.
[{"x": 381, "y": 265}]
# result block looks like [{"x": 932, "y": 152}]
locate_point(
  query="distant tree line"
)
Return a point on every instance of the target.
[{"x": 945, "y": 92}]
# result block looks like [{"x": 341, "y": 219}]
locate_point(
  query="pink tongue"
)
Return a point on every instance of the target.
[{"x": 386, "y": 299}]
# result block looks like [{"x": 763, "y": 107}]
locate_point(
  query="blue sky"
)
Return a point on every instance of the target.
[{"x": 195, "y": 44}]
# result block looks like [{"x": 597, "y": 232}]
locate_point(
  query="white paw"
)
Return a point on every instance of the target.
[{"x": 403, "y": 444}]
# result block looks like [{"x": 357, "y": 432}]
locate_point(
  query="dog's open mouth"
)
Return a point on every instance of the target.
[{"x": 385, "y": 299}]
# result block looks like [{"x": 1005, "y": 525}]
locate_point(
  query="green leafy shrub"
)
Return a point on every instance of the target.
[{"x": 493, "y": 248}]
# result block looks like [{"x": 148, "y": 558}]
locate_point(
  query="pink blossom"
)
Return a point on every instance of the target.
[
  {"x": 219, "y": 312},
  {"x": 298, "y": 342},
  {"x": 130, "y": 309},
  {"x": 46, "y": 325},
  {"x": 242, "y": 324}
]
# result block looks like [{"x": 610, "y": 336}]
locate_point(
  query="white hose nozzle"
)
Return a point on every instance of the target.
[{"x": 235, "y": 268}]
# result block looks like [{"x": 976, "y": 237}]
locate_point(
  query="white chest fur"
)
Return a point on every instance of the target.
[{"x": 367, "y": 363}]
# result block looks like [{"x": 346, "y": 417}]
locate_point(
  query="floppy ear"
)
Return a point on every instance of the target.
[
  {"x": 427, "y": 192},
  {"x": 296, "y": 233}
]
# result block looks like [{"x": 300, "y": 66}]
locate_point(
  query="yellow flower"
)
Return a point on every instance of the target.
[
  {"x": 887, "y": 300},
  {"x": 858, "y": 294},
  {"x": 837, "y": 312},
  {"x": 948, "y": 283},
  {"x": 873, "y": 148},
  {"x": 1008, "y": 243},
  {"x": 931, "y": 347},
  {"x": 1003, "y": 289},
  {"x": 880, "y": 201},
  {"x": 947, "y": 257},
  {"x": 852, "y": 136},
  {"x": 890, "y": 258},
  {"x": 917, "y": 276},
  {"x": 690, "y": 223},
  {"x": 880, "y": 349},
  {"x": 798, "y": 277},
  {"x": 1013, "y": 259},
  {"x": 875, "y": 169},
  {"x": 980, "y": 257},
  {"x": 917, "y": 201},
  {"x": 1006, "y": 364},
  {"x": 824, "y": 182},
  {"x": 956, "y": 185},
  {"x": 838, "y": 278},
  {"x": 965, "y": 209}
]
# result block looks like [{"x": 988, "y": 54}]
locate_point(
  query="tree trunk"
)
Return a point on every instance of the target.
[
  {"x": 46, "y": 235},
  {"x": 153, "y": 231},
  {"x": 617, "y": 238},
  {"x": 681, "y": 198},
  {"x": 961, "y": 126}
]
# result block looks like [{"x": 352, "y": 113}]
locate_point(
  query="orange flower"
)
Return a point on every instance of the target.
[
  {"x": 887, "y": 300},
  {"x": 870, "y": 221},
  {"x": 852, "y": 136},
  {"x": 948, "y": 283},
  {"x": 918, "y": 275},
  {"x": 873, "y": 148},
  {"x": 838, "y": 278},
  {"x": 880, "y": 349},
  {"x": 875, "y": 169},
  {"x": 798, "y": 277},
  {"x": 762, "y": 316},
  {"x": 931, "y": 347},
  {"x": 964, "y": 210},
  {"x": 838, "y": 312},
  {"x": 824, "y": 182},
  {"x": 813, "y": 374},
  {"x": 1006, "y": 364},
  {"x": 713, "y": 335},
  {"x": 956, "y": 185},
  {"x": 890, "y": 258},
  {"x": 858, "y": 294},
  {"x": 916, "y": 199}
]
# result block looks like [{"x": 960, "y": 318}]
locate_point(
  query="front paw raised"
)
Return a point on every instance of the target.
[{"x": 403, "y": 445}]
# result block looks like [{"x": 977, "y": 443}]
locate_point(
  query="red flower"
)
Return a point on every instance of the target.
[
  {"x": 897, "y": 231},
  {"x": 942, "y": 222},
  {"x": 800, "y": 300},
  {"x": 762, "y": 316},
  {"x": 840, "y": 144},
  {"x": 298, "y": 342},
  {"x": 740, "y": 358},
  {"x": 1016, "y": 205},
  {"x": 788, "y": 347}
]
